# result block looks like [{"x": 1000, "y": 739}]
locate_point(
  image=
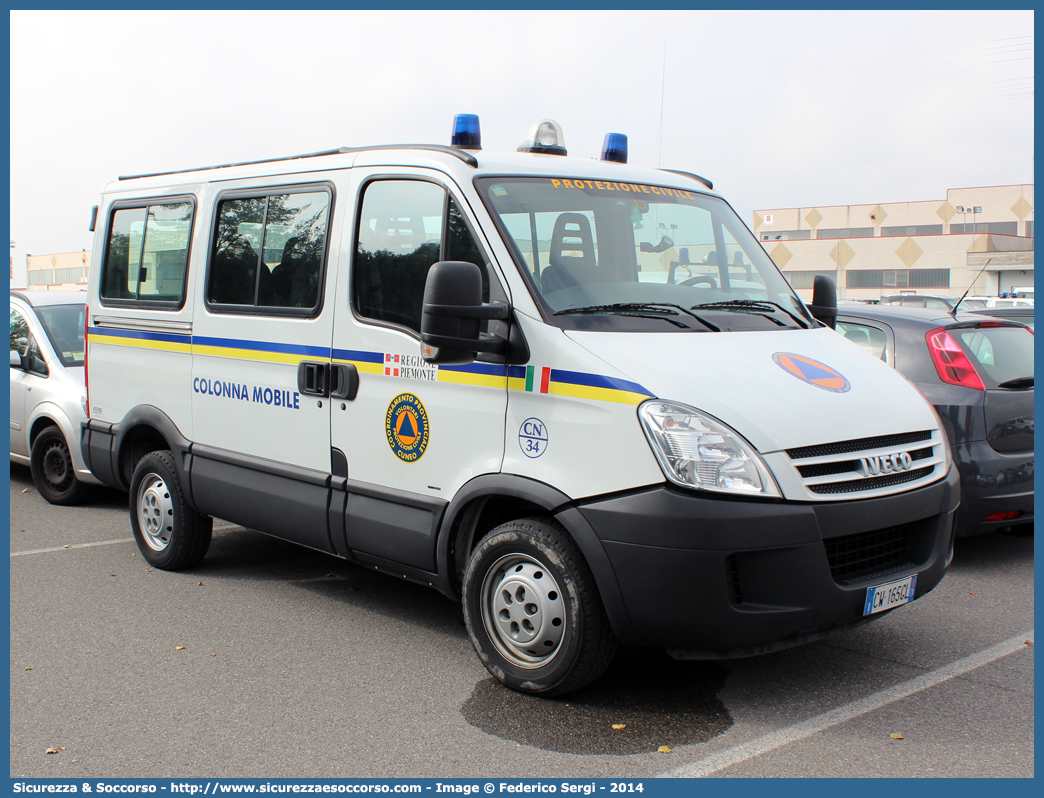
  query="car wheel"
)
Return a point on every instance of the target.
[
  {"x": 169, "y": 533},
  {"x": 53, "y": 471},
  {"x": 533, "y": 610}
]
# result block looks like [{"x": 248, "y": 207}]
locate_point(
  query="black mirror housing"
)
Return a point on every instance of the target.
[
  {"x": 451, "y": 314},
  {"x": 824, "y": 300}
]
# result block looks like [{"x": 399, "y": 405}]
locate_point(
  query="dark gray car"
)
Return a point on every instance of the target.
[{"x": 978, "y": 373}]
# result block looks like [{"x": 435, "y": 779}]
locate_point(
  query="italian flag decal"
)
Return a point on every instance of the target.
[{"x": 545, "y": 379}]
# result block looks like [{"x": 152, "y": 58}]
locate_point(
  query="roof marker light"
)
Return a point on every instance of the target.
[
  {"x": 466, "y": 134},
  {"x": 614, "y": 148},
  {"x": 544, "y": 137}
]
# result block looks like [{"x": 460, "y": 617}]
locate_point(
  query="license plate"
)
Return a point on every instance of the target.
[{"x": 884, "y": 597}]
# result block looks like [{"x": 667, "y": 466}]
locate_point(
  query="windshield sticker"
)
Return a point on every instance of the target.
[
  {"x": 532, "y": 437},
  {"x": 636, "y": 188},
  {"x": 500, "y": 191},
  {"x": 406, "y": 425},
  {"x": 813, "y": 372}
]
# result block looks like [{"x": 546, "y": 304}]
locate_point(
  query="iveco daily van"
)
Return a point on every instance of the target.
[{"x": 575, "y": 394}]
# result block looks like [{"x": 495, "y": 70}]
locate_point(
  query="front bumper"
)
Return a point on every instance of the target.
[
  {"x": 712, "y": 577},
  {"x": 992, "y": 482}
]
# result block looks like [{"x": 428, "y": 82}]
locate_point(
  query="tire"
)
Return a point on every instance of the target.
[
  {"x": 533, "y": 611},
  {"x": 53, "y": 471},
  {"x": 169, "y": 533}
]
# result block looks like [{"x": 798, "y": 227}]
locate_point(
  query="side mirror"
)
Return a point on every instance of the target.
[
  {"x": 16, "y": 359},
  {"x": 451, "y": 314},
  {"x": 824, "y": 300}
]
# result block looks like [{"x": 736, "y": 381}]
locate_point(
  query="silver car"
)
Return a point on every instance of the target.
[{"x": 48, "y": 394}]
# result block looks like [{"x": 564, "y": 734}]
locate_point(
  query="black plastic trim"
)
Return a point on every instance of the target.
[
  {"x": 394, "y": 525},
  {"x": 283, "y": 501},
  {"x": 296, "y": 473},
  {"x": 681, "y": 560}
]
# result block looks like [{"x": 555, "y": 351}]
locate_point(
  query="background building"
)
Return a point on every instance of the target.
[
  {"x": 930, "y": 247},
  {"x": 66, "y": 271}
]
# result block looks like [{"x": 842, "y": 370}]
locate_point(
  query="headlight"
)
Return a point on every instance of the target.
[{"x": 697, "y": 451}]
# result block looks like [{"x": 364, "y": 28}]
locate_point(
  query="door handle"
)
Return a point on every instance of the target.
[
  {"x": 345, "y": 382},
  {"x": 313, "y": 378}
]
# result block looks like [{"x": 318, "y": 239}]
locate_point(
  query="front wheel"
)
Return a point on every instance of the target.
[
  {"x": 169, "y": 533},
  {"x": 533, "y": 611},
  {"x": 53, "y": 471}
]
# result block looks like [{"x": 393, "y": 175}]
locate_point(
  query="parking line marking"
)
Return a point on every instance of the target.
[
  {"x": 221, "y": 526},
  {"x": 781, "y": 737},
  {"x": 74, "y": 546}
]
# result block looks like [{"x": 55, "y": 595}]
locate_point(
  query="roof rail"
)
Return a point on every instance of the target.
[
  {"x": 703, "y": 180},
  {"x": 467, "y": 158}
]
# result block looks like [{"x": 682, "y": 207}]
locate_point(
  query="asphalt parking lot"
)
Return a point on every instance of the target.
[{"x": 271, "y": 660}]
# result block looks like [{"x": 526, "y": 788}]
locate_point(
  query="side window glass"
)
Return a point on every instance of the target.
[
  {"x": 19, "y": 333},
  {"x": 233, "y": 267},
  {"x": 147, "y": 254},
  {"x": 870, "y": 339},
  {"x": 461, "y": 245},
  {"x": 34, "y": 360},
  {"x": 268, "y": 251},
  {"x": 400, "y": 237}
]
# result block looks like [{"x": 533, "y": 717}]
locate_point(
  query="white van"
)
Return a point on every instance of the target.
[{"x": 574, "y": 394}]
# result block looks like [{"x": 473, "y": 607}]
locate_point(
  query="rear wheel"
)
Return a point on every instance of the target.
[
  {"x": 533, "y": 611},
  {"x": 53, "y": 471},
  {"x": 169, "y": 533}
]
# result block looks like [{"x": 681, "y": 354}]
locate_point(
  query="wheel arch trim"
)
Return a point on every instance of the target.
[
  {"x": 560, "y": 507},
  {"x": 150, "y": 417}
]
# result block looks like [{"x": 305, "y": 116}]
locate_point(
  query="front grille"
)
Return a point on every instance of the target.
[
  {"x": 858, "y": 486},
  {"x": 853, "y": 557},
  {"x": 826, "y": 469},
  {"x": 860, "y": 444},
  {"x": 866, "y": 465}
]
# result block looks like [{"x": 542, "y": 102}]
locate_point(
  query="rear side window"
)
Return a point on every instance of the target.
[
  {"x": 269, "y": 252},
  {"x": 146, "y": 255},
  {"x": 1001, "y": 353}
]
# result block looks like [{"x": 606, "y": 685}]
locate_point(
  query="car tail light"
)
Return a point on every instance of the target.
[{"x": 951, "y": 362}]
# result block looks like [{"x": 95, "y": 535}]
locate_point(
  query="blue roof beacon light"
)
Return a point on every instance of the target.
[
  {"x": 466, "y": 133},
  {"x": 544, "y": 137},
  {"x": 614, "y": 148}
]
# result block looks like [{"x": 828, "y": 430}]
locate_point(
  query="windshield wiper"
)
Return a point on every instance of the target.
[
  {"x": 1018, "y": 382},
  {"x": 756, "y": 306},
  {"x": 641, "y": 309}
]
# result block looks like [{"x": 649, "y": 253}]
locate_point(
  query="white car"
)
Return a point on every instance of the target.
[{"x": 48, "y": 394}]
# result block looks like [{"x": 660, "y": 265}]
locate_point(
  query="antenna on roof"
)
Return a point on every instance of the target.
[{"x": 953, "y": 311}]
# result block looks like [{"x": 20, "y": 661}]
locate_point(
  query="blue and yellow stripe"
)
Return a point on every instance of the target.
[{"x": 575, "y": 384}]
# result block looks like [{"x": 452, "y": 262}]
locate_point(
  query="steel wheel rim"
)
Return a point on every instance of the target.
[
  {"x": 155, "y": 512},
  {"x": 57, "y": 466},
  {"x": 523, "y": 612}
]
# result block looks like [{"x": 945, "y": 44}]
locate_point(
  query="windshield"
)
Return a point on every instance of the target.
[
  {"x": 623, "y": 256},
  {"x": 64, "y": 327}
]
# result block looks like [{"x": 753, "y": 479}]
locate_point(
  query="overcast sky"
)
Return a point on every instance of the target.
[{"x": 779, "y": 109}]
